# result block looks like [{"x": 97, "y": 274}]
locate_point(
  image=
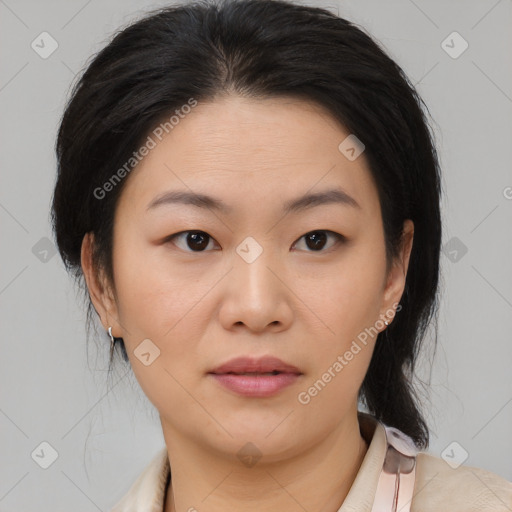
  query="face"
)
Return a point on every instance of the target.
[{"x": 198, "y": 285}]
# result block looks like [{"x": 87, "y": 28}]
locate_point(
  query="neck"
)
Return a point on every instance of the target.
[{"x": 316, "y": 479}]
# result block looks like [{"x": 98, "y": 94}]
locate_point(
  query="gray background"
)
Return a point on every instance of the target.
[{"x": 105, "y": 431}]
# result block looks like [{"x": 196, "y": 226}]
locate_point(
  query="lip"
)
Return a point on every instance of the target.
[
  {"x": 263, "y": 364},
  {"x": 230, "y": 375}
]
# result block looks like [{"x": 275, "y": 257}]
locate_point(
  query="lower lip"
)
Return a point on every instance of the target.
[{"x": 256, "y": 386}]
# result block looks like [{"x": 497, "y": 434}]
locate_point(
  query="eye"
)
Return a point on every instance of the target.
[
  {"x": 316, "y": 240},
  {"x": 196, "y": 241},
  {"x": 199, "y": 241}
]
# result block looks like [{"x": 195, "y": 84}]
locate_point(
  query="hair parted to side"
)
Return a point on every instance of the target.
[{"x": 261, "y": 49}]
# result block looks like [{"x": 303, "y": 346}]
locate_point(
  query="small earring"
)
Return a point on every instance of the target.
[
  {"x": 112, "y": 340},
  {"x": 386, "y": 322}
]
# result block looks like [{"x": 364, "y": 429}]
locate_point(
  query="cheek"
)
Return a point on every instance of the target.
[
  {"x": 153, "y": 299},
  {"x": 349, "y": 305},
  {"x": 340, "y": 357},
  {"x": 164, "y": 307},
  {"x": 168, "y": 304},
  {"x": 349, "y": 298}
]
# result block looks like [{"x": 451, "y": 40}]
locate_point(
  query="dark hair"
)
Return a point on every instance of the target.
[{"x": 263, "y": 48}]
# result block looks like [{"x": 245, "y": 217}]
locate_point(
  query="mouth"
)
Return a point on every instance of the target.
[
  {"x": 248, "y": 365},
  {"x": 253, "y": 374},
  {"x": 258, "y": 378}
]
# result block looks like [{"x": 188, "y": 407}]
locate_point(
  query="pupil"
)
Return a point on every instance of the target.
[
  {"x": 314, "y": 240},
  {"x": 317, "y": 238},
  {"x": 199, "y": 239}
]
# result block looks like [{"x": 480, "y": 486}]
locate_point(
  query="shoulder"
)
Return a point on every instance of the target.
[
  {"x": 439, "y": 487},
  {"x": 147, "y": 493}
]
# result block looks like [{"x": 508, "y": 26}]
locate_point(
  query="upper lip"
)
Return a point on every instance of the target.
[{"x": 256, "y": 365}]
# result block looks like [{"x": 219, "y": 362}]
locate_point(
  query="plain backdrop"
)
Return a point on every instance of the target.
[{"x": 101, "y": 433}]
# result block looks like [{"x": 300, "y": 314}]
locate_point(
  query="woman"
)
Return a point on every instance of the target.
[{"x": 251, "y": 192}]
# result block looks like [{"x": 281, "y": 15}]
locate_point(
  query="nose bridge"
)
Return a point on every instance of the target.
[{"x": 251, "y": 266}]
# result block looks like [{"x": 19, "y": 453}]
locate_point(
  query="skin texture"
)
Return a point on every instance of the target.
[{"x": 301, "y": 304}]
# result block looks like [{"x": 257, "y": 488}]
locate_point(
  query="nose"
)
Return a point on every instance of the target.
[{"x": 256, "y": 295}]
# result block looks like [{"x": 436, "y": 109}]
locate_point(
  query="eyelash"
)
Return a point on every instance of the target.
[{"x": 339, "y": 239}]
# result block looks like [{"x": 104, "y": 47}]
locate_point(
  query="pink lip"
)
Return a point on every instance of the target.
[
  {"x": 261, "y": 365},
  {"x": 257, "y": 385}
]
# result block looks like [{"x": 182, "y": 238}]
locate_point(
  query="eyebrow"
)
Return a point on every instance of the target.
[{"x": 332, "y": 196}]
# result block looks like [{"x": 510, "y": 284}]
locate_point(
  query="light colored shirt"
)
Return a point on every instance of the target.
[{"x": 438, "y": 487}]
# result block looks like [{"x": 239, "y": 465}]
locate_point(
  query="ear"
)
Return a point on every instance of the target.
[
  {"x": 101, "y": 295},
  {"x": 395, "y": 282}
]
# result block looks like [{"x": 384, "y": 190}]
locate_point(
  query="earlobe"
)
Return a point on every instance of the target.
[{"x": 98, "y": 290}]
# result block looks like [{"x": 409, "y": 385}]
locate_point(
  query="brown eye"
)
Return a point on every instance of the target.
[
  {"x": 317, "y": 240},
  {"x": 194, "y": 241}
]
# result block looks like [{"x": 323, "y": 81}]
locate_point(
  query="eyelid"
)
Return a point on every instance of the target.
[
  {"x": 169, "y": 239},
  {"x": 338, "y": 236}
]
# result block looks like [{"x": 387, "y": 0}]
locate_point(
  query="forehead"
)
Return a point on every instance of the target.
[{"x": 250, "y": 151}]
